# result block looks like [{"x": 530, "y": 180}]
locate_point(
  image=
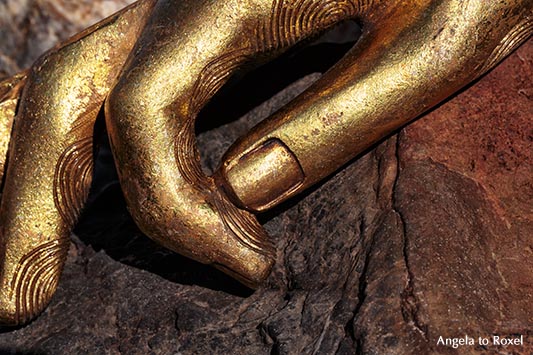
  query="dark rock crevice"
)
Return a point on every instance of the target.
[{"x": 410, "y": 304}]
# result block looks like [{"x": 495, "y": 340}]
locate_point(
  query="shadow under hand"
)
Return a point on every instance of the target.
[{"x": 106, "y": 225}]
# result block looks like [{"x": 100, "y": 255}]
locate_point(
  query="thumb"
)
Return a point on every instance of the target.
[{"x": 410, "y": 57}]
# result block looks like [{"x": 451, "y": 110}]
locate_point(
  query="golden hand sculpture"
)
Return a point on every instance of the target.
[{"x": 155, "y": 64}]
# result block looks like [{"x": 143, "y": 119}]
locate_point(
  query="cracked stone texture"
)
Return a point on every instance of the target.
[{"x": 428, "y": 234}]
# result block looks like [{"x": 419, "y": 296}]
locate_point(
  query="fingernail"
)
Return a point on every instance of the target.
[{"x": 262, "y": 177}]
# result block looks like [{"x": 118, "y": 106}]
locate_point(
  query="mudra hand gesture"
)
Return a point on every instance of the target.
[{"x": 155, "y": 64}]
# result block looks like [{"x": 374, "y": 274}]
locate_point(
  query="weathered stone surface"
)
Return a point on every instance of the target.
[
  {"x": 30, "y": 27},
  {"x": 428, "y": 234}
]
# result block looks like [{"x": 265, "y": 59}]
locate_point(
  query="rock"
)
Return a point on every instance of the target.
[
  {"x": 426, "y": 235},
  {"x": 29, "y": 27}
]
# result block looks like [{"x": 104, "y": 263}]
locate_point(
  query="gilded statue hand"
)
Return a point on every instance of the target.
[{"x": 155, "y": 64}]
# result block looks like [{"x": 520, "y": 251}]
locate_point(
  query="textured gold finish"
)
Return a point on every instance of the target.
[
  {"x": 276, "y": 171},
  {"x": 10, "y": 90},
  {"x": 50, "y": 158},
  {"x": 411, "y": 56},
  {"x": 158, "y": 62}
]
